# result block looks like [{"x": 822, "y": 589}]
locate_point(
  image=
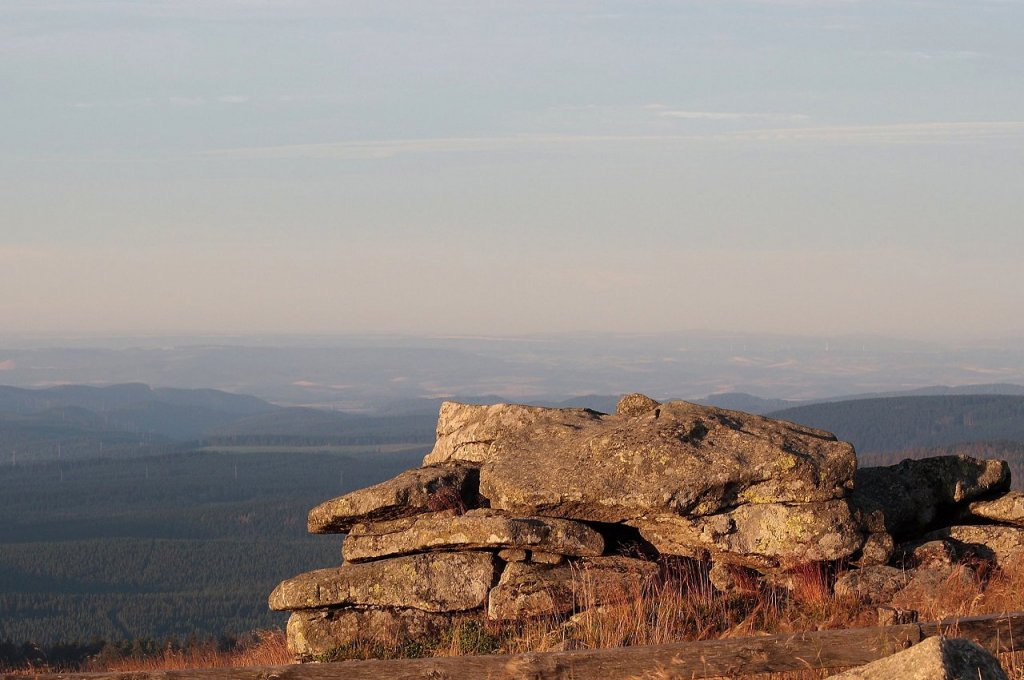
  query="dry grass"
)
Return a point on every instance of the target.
[
  {"x": 267, "y": 648},
  {"x": 683, "y": 606},
  {"x": 680, "y": 606}
]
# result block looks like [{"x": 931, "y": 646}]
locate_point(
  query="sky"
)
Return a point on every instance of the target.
[{"x": 503, "y": 167}]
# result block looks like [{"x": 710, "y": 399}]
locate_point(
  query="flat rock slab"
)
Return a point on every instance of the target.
[
  {"x": 1003, "y": 544},
  {"x": 936, "y": 658},
  {"x": 314, "y": 634},
  {"x": 412, "y": 492},
  {"x": 765, "y": 536},
  {"x": 908, "y": 497},
  {"x": 679, "y": 458},
  {"x": 476, "y": 529},
  {"x": 1007, "y": 509},
  {"x": 433, "y": 582},
  {"x": 529, "y": 590}
]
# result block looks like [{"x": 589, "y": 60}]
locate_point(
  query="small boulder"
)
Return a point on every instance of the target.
[
  {"x": 871, "y": 585},
  {"x": 413, "y": 492},
  {"x": 929, "y": 554},
  {"x": 936, "y": 658},
  {"x": 433, "y": 582},
  {"x": 476, "y": 529},
  {"x": 635, "y": 404},
  {"x": 877, "y": 550},
  {"x": 528, "y": 590},
  {"x": 1006, "y": 509}
]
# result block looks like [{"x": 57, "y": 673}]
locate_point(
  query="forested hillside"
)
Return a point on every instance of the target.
[
  {"x": 180, "y": 544},
  {"x": 900, "y": 423}
]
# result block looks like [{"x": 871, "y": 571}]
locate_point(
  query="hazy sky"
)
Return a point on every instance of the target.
[{"x": 509, "y": 166}]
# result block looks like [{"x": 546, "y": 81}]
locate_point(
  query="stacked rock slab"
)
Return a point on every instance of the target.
[{"x": 521, "y": 511}]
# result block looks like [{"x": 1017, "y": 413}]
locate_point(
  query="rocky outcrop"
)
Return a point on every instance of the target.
[
  {"x": 936, "y": 658},
  {"x": 521, "y": 512}
]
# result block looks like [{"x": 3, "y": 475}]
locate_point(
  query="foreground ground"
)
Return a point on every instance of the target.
[{"x": 683, "y": 607}]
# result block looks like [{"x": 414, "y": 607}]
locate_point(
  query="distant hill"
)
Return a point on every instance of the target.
[
  {"x": 898, "y": 423},
  {"x": 113, "y": 397},
  {"x": 80, "y": 421},
  {"x": 741, "y": 401},
  {"x": 309, "y": 427}
]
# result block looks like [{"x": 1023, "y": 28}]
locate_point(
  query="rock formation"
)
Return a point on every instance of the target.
[{"x": 523, "y": 512}]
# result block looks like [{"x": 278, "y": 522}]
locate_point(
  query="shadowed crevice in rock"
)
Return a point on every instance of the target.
[{"x": 624, "y": 540}]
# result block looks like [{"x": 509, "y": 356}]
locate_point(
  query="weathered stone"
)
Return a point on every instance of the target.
[
  {"x": 871, "y": 585},
  {"x": 1006, "y": 509},
  {"x": 635, "y": 404},
  {"x": 469, "y": 432},
  {"x": 1002, "y": 544},
  {"x": 680, "y": 458},
  {"x": 513, "y": 555},
  {"x": 890, "y": 616},
  {"x": 878, "y": 549},
  {"x": 936, "y": 658},
  {"x": 546, "y": 558},
  {"x": 440, "y": 582},
  {"x": 928, "y": 554},
  {"x": 528, "y": 590},
  {"x": 937, "y": 592},
  {"x": 410, "y": 493},
  {"x": 764, "y": 536},
  {"x": 315, "y": 633},
  {"x": 476, "y": 529},
  {"x": 731, "y": 579},
  {"x": 912, "y": 494}
]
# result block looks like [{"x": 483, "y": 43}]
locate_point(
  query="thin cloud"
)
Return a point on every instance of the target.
[
  {"x": 732, "y": 115},
  {"x": 905, "y": 133}
]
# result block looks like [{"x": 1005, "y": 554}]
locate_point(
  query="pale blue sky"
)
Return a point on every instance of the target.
[{"x": 795, "y": 166}]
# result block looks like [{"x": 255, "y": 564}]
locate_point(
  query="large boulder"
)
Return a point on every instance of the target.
[
  {"x": 438, "y": 582},
  {"x": 528, "y": 590},
  {"x": 414, "y": 491},
  {"x": 911, "y": 496},
  {"x": 936, "y": 658},
  {"x": 679, "y": 458},
  {"x": 1006, "y": 509},
  {"x": 761, "y": 536},
  {"x": 476, "y": 529},
  {"x": 314, "y": 634}
]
